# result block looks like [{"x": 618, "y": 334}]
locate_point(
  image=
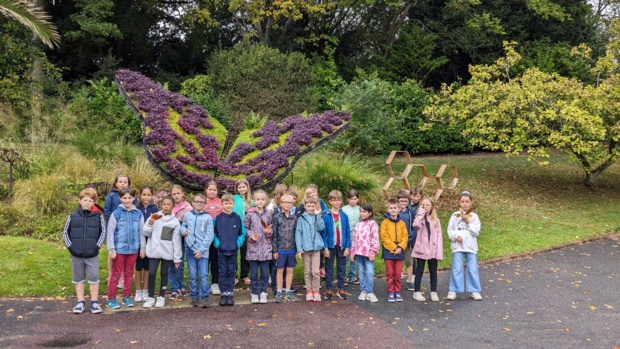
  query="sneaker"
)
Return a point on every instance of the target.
[
  {"x": 112, "y": 304},
  {"x": 195, "y": 302},
  {"x": 346, "y": 282},
  {"x": 419, "y": 297},
  {"x": 372, "y": 298},
  {"x": 138, "y": 297},
  {"x": 230, "y": 301},
  {"x": 309, "y": 296},
  {"x": 317, "y": 296},
  {"x": 293, "y": 289},
  {"x": 182, "y": 292},
  {"x": 355, "y": 281},
  {"x": 410, "y": 286},
  {"x": 79, "y": 308},
  {"x": 391, "y": 298},
  {"x": 127, "y": 301},
  {"x": 161, "y": 301},
  {"x": 342, "y": 294},
  {"x": 329, "y": 294},
  {"x": 263, "y": 298},
  {"x": 95, "y": 308},
  {"x": 451, "y": 295},
  {"x": 278, "y": 297},
  {"x": 246, "y": 280},
  {"x": 205, "y": 302},
  {"x": 254, "y": 299},
  {"x": 398, "y": 297},
  {"x": 322, "y": 272},
  {"x": 149, "y": 302},
  {"x": 434, "y": 297},
  {"x": 476, "y": 296},
  {"x": 362, "y": 296},
  {"x": 174, "y": 295},
  {"x": 215, "y": 289},
  {"x": 290, "y": 297}
]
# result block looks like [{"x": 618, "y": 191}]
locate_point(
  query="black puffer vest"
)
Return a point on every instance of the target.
[{"x": 84, "y": 232}]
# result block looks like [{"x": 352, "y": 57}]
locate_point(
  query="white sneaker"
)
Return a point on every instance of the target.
[
  {"x": 434, "y": 297},
  {"x": 215, "y": 289},
  {"x": 372, "y": 298},
  {"x": 476, "y": 296},
  {"x": 263, "y": 298},
  {"x": 161, "y": 301},
  {"x": 138, "y": 297},
  {"x": 362, "y": 296},
  {"x": 254, "y": 299},
  {"x": 451, "y": 295},
  {"x": 149, "y": 302},
  {"x": 419, "y": 297}
]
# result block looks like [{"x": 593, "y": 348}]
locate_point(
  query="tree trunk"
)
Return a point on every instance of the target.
[
  {"x": 592, "y": 175},
  {"x": 36, "y": 123}
]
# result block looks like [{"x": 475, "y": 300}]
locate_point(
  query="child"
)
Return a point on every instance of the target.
[
  {"x": 283, "y": 247},
  {"x": 229, "y": 236},
  {"x": 364, "y": 247},
  {"x": 292, "y": 191},
  {"x": 175, "y": 275},
  {"x": 83, "y": 235},
  {"x": 197, "y": 227},
  {"x": 164, "y": 246},
  {"x": 394, "y": 239},
  {"x": 337, "y": 239},
  {"x": 353, "y": 212},
  {"x": 428, "y": 247},
  {"x": 415, "y": 194},
  {"x": 463, "y": 231},
  {"x": 243, "y": 201},
  {"x": 125, "y": 240},
  {"x": 147, "y": 207},
  {"x": 213, "y": 208},
  {"x": 278, "y": 191},
  {"x": 258, "y": 227},
  {"x": 309, "y": 246},
  {"x": 407, "y": 215},
  {"x": 274, "y": 207}
]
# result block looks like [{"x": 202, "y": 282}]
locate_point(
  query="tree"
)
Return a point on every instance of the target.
[
  {"x": 34, "y": 18},
  {"x": 539, "y": 110}
]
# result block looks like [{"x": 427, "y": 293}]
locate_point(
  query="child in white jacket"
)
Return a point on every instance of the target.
[
  {"x": 164, "y": 245},
  {"x": 463, "y": 230}
]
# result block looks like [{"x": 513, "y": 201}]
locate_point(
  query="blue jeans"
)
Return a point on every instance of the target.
[
  {"x": 264, "y": 276},
  {"x": 336, "y": 253},
  {"x": 228, "y": 271},
  {"x": 456, "y": 278},
  {"x": 352, "y": 268},
  {"x": 175, "y": 276},
  {"x": 197, "y": 268},
  {"x": 367, "y": 273}
]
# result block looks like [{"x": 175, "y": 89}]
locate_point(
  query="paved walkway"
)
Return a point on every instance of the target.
[{"x": 566, "y": 298}]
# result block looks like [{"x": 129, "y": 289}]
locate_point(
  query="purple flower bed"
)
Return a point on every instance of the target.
[{"x": 196, "y": 164}]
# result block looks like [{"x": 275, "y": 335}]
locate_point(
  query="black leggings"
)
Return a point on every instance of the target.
[
  {"x": 153, "y": 265},
  {"x": 419, "y": 271}
]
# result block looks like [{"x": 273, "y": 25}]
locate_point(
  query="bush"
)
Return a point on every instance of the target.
[
  {"x": 99, "y": 146},
  {"x": 200, "y": 89},
  {"x": 42, "y": 194}
]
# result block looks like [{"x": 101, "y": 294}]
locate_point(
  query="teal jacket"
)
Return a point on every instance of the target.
[{"x": 308, "y": 232}]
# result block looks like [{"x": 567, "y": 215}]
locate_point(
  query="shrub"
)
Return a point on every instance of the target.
[
  {"x": 200, "y": 89},
  {"x": 99, "y": 146},
  {"x": 42, "y": 194}
]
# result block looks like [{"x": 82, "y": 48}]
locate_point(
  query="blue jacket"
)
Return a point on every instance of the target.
[
  {"x": 125, "y": 231},
  {"x": 229, "y": 234},
  {"x": 308, "y": 232},
  {"x": 112, "y": 201},
  {"x": 407, "y": 216},
  {"x": 328, "y": 232},
  {"x": 200, "y": 227},
  {"x": 148, "y": 210}
]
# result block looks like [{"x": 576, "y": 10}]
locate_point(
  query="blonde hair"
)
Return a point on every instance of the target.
[
  {"x": 310, "y": 200},
  {"x": 260, "y": 191},
  {"x": 335, "y": 194},
  {"x": 91, "y": 193},
  {"x": 228, "y": 198},
  {"x": 278, "y": 192},
  {"x": 176, "y": 186},
  {"x": 434, "y": 218},
  {"x": 247, "y": 198},
  {"x": 309, "y": 190}
]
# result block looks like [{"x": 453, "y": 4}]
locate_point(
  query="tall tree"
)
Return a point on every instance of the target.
[{"x": 34, "y": 18}]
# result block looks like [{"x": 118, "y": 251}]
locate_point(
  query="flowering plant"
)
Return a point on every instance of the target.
[{"x": 181, "y": 140}]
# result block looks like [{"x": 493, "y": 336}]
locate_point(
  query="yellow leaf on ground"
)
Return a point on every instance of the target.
[
  {"x": 592, "y": 307},
  {"x": 507, "y": 329},
  {"x": 10, "y": 310},
  {"x": 410, "y": 328},
  {"x": 567, "y": 330},
  {"x": 19, "y": 318},
  {"x": 118, "y": 330},
  {"x": 262, "y": 324},
  {"x": 207, "y": 336},
  {"x": 310, "y": 343},
  {"x": 134, "y": 342},
  {"x": 394, "y": 323},
  {"x": 60, "y": 298}
]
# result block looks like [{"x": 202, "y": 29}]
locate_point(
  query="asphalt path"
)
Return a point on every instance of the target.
[{"x": 567, "y": 298}]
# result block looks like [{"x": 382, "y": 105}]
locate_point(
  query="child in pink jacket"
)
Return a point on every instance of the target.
[
  {"x": 428, "y": 247},
  {"x": 364, "y": 247}
]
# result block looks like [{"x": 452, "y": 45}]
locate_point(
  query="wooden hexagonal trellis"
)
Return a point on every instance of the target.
[
  {"x": 403, "y": 176},
  {"x": 440, "y": 187}
]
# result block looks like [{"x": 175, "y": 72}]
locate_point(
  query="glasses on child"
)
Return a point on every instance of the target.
[
  {"x": 287, "y": 202},
  {"x": 199, "y": 202}
]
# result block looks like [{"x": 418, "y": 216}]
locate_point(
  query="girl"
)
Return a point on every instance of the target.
[
  {"x": 213, "y": 208},
  {"x": 274, "y": 205},
  {"x": 364, "y": 247},
  {"x": 175, "y": 275},
  {"x": 163, "y": 246},
  {"x": 415, "y": 194},
  {"x": 243, "y": 201},
  {"x": 353, "y": 212},
  {"x": 428, "y": 247},
  {"x": 147, "y": 207},
  {"x": 463, "y": 230},
  {"x": 257, "y": 223}
]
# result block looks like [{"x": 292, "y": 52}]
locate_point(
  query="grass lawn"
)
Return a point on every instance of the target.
[{"x": 522, "y": 206}]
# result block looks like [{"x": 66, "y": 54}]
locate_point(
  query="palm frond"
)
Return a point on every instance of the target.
[{"x": 34, "y": 18}]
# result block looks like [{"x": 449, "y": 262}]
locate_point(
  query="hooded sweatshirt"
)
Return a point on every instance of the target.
[
  {"x": 308, "y": 231},
  {"x": 393, "y": 235},
  {"x": 469, "y": 232},
  {"x": 179, "y": 210},
  {"x": 229, "y": 234},
  {"x": 200, "y": 228},
  {"x": 164, "y": 238},
  {"x": 427, "y": 246}
]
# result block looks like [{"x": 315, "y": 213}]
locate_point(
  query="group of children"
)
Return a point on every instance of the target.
[{"x": 270, "y": 234}]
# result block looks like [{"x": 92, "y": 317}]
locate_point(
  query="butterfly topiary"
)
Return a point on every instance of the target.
[{"x": 185, "y": 144}]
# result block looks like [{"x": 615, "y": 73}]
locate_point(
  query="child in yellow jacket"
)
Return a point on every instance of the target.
[{"x": 394, "y": 240}]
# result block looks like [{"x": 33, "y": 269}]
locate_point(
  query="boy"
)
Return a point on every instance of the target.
[
  {"x": 283, "y": 247},
  {"x": 394, "y": 237},
  {"x": 197, "y": 228},
  {"x": 407, "y": 216},
  {"x": 309, "y": 246},
  {"x": 229, "y": 236},
  {"x": 337, "y": 239},
  {"x": 125, "y": 239},
  {"x": 83, "y": 235}
]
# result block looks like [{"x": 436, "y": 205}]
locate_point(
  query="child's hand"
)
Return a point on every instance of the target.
[
  {"x": 275, "y": 255},
  {"x": 326, "y": 253},
  {"x": 197, "y": 255},
  {"x": 318, "y": 210},
  {"x": 346, "y": 252},
  {"x": 151, "y": 221},
  {"x": 185, "y": 233},
  {"x": 371, "y": 257},
  {"x": 465, "y": 219},
  {"x": 398, "y": 250},
  {"x": 142, "y": 254},
  {"x": 254, "y": 237},
  {"x": 113, "y": 255},
  {"x": 176, "y": 265},
  {"x": 298, "y": 254},
  {"x": 459, "y": 239}
]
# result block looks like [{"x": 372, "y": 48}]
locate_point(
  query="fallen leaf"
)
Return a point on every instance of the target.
[
  {"x": 10, "y": 310},
  {"x": 250, "y": 321},
  {"x": 262, "y": 324},
  {"x": 19, "y": 318},
  {"x": 310, "y": 343},
  {"x": 349, "y": 339},
  {"x": 608, "y": 306},
  {"x": 334, "y": 302},
  {"x": 60, "y": 298},
  {"x": 507, "y": 329},
  {"x": 134, "y": 342},
  {"x": 567, "y": 330},
  {"x": 410, "y": 328},
  {"x": 592, "y": 307},
  {"x": 228, "y": 325},
  {"x": 207, "y": 336},
  {"x": 118, "y": 330},
  {"x": 394, "y": 323}
]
